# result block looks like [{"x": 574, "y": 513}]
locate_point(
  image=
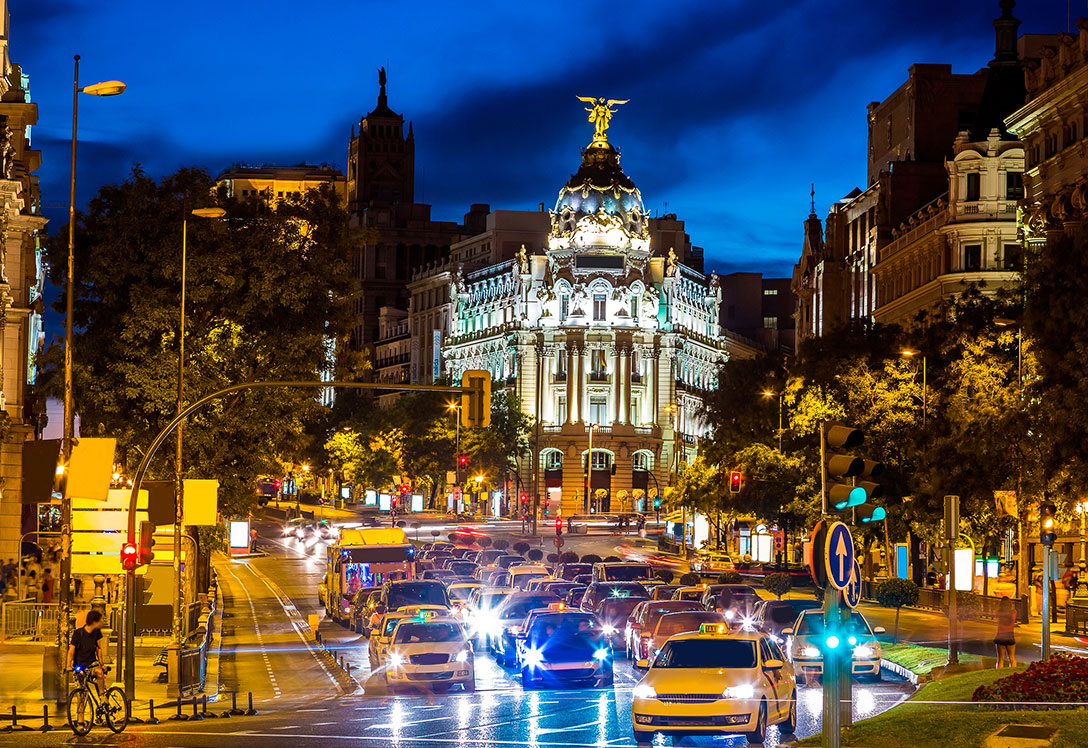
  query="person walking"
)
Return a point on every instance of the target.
[
  {"x": 1005, "y": 640},
  {"x": 47, "y": 586}
]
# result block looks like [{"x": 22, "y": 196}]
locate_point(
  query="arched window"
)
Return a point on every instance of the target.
[{"x": 643, "y": 460}]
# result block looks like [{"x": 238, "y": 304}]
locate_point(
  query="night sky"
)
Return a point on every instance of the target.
[{"x": 735, "y": 106}]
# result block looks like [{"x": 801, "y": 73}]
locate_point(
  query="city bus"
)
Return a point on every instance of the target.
[{"x": 363, "y": 557}]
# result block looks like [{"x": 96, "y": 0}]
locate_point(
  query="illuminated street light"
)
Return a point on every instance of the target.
[
  {"x": 911, "y": 354},
  {"x": 768, "y": 394}
]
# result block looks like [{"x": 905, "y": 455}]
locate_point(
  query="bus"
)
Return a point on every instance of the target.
[{"x": 363, "y": 557}]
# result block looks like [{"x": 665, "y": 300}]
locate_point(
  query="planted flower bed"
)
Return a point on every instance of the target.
[{"x": 1059, "y": 683}]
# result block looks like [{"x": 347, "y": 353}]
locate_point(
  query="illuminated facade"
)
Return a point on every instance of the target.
[
  {"x": 21, "y": 279},
  {"x": 272, "y": 184},
  {"x": 599, "y": 328}
]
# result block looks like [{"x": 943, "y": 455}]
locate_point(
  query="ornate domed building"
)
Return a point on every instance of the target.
[{"x": 601, "y": 336}]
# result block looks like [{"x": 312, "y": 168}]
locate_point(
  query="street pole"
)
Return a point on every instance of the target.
[
  {"x": 1047, "y": 558},
  {"x": 179, "y": 488},
  {"x": 951, "y": 534},
  {"x": 780, "y": 405},
  {"x": 589, "y": 471},
  {"x": 832, "y": 670}
]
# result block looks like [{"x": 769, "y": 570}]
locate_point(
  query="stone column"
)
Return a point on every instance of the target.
[
  {"x": 571, "y": 354},
  {"x": 625, "y": 389},
  {"x": 617, "y": 386},
  {"x": 583, "y": 384}
]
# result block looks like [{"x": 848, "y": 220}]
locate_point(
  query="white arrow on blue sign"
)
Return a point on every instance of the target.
[
  {"x": 839, "y": 555},
  {"x": 852, "y": 594}
]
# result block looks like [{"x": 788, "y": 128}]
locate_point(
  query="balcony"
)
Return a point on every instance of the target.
[{"x": 598, "y": 376}]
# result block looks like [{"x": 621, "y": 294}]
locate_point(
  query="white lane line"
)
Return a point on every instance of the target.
[
  {"x": 257, "y": 628},
  {"x": 384, "y": 740},
  {"x": 276, "y": 593},
  {"x": 312, "y": 710},
  {"x": 568, "y": 728}
]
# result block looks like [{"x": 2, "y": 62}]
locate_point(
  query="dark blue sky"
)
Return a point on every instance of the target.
[{"x": 736, "y": 106}]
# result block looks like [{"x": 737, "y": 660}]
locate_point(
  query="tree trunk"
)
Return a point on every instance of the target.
[{"x": 895, "y": 634}]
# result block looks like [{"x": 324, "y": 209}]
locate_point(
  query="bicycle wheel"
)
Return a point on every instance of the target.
[
  {"x": 77, "y": 703},
  {"x": 115, "y": 705}
]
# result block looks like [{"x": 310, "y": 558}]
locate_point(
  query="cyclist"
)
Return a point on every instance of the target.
[{"x": 85, "y": 651}]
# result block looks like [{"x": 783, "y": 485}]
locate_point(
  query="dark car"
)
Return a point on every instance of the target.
[
  {"x": 401, "y": 593},
  {"x": 663, "y": 591},
  {"x": 583, "y": 579},
  {"x": 734, "y": 601},
  {"x": 557, "y": 586},
  {"x": 681, "y": 622},
  {"x": 509, "y": 616},
  {"x": 771, "y": 616},
  {"x": 570, "y": 571},
  {"x": 574, "y": 595},
  {"x": 443, "y": 575},
  {"x": 644, "y": 619},
  {"x": 362, "y": 605},
  {"x": 488, "y": 556},
  {"x": 463, "y": 568},
  {"x": 505, "y": 562},
  {"x": 463, "y": 551},
  {"x": 621, "y": 571},
  {"x": 599, "y": 591},
  {"x": 565, "y": 646},
  {"x": 613, "y": 614}
]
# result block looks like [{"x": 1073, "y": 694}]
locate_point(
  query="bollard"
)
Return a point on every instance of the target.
[
  {"x": 128, "y": 714},
  {"x": 341, "y": 662},
  {"x": 349, "y": 671},
  {"x": 151, "y": 712},
  {"x": 196, "y": 715},
  {"x": 15, "y": 726},
  {"x": 234, "y": 710},
  {"x": 204, "y": 712},
  {"x": 179, "y": 716},
  {"x": 251, "y": 711},
  {"x": 45, "y": 714}
]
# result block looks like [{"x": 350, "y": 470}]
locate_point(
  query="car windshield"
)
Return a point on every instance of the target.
[
  {"x": 390, "y": 624},
  {"x": 678, "y": 623},
  {"x": 565, "y": 630},
  {"x": 461, "y": 593},
  {"x": 491, "y": 599},
  {"x": 689, "y": 594},
  {"x": 626, "y": 573},
  {"x": 787, "y": 614},
  {"x": 416, "y": 593},
  {"x": 424, "y": 633},
  {"x": 813, "y": 625},
  {"x": 622, "y": 589},
  {"x": 707, "y": 653},
  {"x": 520, "y": 607},
  {"x": 618, "y": 609},
  {"x": 463, "y": 567},
  {"x": 655, "y": 613},
  {"x": 570, "y": 571}
]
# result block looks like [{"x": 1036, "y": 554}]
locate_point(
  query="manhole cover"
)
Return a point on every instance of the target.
[{"x": 1030, "y": 732}]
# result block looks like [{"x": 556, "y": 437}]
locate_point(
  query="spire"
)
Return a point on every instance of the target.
[
  {"x": 812, "y": 194},
  {"x": 382, "y": 109},
  {"x": 1005, "y": 29},
  {"x": 1004, "y": 92},
  {"x": 411, "y": 135}
]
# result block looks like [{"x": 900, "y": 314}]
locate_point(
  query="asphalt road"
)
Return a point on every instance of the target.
[{"x": 304, "y": 698}]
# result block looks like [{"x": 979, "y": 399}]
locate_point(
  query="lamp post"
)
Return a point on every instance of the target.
[
  {"x": 589, "y": 469},
  {"x": 768, "y": 393},
  {"x": 108, "y": 88},
  {"x": 911, "y": 354},
  {"x": 179, "y": 488},
  {"x": 1082, "y": 510},
  {"x": 454, "y": 407}
]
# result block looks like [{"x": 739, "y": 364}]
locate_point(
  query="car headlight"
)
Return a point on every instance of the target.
[
  {"x": 601, "y": 654},
  {"x": 461, "y": 656},
  {"x": 533, "y": 658},
  {"x": 810, "y": 652},
  {"x": 863, "y": 651},
  {"x": 730, "y": 615},
  {"x": 608, "y": 629},
  {"x": 748, "y": 624},
  {"x": 395, "y": 659},
  {"x": 739, "y": 692},
  {"x": 644, "y": 691}
]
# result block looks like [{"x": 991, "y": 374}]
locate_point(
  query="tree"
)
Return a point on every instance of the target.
[
  {"x": 591, "y": 558},
  {"x": 895, "y": 593},
  {"x": 568, "y": 557},
  {"x": 521, "y": 547},
  {"x": 484, "y": 542},
  {"x": 500, "y": 544},
  {"x": 612, "y": 558},
  {"x": 778, "y": 584},
  {"x": 552, "y": 558},
  {"x": 535, "y": 554},
  {"x": 665, "y": 575},
  {"x": 689, "y": 579},
  {"x": 729, "y": 577},
  {"x": 266, "y": 293}
]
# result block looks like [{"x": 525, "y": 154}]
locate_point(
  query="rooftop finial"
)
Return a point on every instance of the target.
[
  {"x": 600, "y": 113},
  {"x": 812, "y": 195},
  {"x": 381, "y": 86}
]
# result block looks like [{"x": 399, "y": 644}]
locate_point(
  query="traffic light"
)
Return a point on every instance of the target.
[
  {"x": 462, "y": 461},
  {"x": 1048, "y": 524},
  {"x": 405, "y": 488},
  {"x": 735, "y": 480},
  {"x": 842, "y": 471},
  {"x": 547, "y": 506},
  {"x": 147, "y": 543},
  {"x": 868, "y": 514},
  {"x": 558, "y": 526},
  {"x": 657, "y": 502},
  {"x": 130, "y": 556},
  {"x": 524, "y": 500},
  {"x": 476, "y": 402}
]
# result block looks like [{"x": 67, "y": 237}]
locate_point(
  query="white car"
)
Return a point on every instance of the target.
[
  {"x": 806, "y": 637},
  {"x": 522, "y": 574},
  {"x": 430, "y": 652},
  {"x": 715, "y": 683}
]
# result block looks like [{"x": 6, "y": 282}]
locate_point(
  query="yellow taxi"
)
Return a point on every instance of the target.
[
  {"x": 430, "y": 650},
  {"x": 382, "y": 636},
  {"x": 713, "y": 682}
]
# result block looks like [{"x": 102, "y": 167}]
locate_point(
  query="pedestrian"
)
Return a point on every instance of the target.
[
  {"x": 253, "y": 540},
  {"x": 32, "y": 586},
  {"x": 47, "y": 586},
  {"x": 376, "y": 616},
  {"x": 1005, "y": 640}
]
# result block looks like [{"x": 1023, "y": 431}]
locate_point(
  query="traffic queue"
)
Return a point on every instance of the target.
[{"x": 715, "y": 659}]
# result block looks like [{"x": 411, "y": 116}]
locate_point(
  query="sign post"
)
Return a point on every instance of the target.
[{"x": 836, "y": 554}]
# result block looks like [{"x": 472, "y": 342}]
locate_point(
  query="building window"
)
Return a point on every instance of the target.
[
  {"x": 1014, "y": 185},
  {"x": 636, "y": 412},
  {"x": 561, "y": 366},
  {"x": 634, "y": 308},
  {"x": 598, "y": 307},
  {"x": 770, "y": 292},
  {"x": 598, "y": 409},
  {"x": 974, "y": 186},
  {"x": 972, "y": 257},
  {"x": 641, "y": 461},
  {"x": 553, "y": 460},
  {"x": 379, "y": 271},
  {"x": 601, "y": 460},
  {"x": 564, "y": 307},
  {"x": 561, "y": 410},
  {"x": 1014, "y": 255},
  {"x": 771, "y": 323},
  {"x": 599, "y": 370}
]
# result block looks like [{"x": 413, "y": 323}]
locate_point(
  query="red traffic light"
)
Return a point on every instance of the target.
[
  {"x": 130, "y": 556},
  {"x": 558, "y": 525},
  {"x": 404, "y": 488},
  {"x": 734, "y": 481},
  {"x": 462, "y": 460},
  {"x": 524, "y": 499},
  {"x": 278, "y": 484}
]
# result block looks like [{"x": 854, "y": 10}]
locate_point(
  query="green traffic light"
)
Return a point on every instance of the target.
[{"x": 856, "y": 497}]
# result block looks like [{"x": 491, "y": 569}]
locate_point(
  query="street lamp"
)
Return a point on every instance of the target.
[
  {"x": 768, "y": 393},
  {"x": 911, "y": 354},
  {"x": 107, "y": 88},
  {"x": 179, "y": 489},
  {"x": 1005, "y": 322},
  {"x": 588, "y": 487}
]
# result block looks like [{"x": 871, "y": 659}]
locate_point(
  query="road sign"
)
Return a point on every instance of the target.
[
  {"x": 852, "y": 594},
  {"x": 838, "y": 555},
  {"x": 558, "y": 542},
  {"x": 816, "y": 555}
]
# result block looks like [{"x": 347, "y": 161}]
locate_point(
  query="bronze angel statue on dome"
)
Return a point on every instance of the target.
[{"x": 600, "y": 113}]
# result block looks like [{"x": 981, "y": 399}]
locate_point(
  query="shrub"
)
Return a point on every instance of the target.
[
  {"x": 729, "y": 577},
  {"x": 553, "y": 558},
  {"x": 690, "y": 579},
  {"x": 665, "y": 575},
  {"x": 895, "y": 593},
  {"x": 591, "y": 558},
  {"x": 568, "y": 557},
  {"x": 535, "y": 554},
  {"x": 521, "y": 547},
  {"x": 483, "y": 542},
  {"x": 1062, "y": 679},
  {"x": 778, "y": 584},
  {"x": 501, "y": 544},
  {"x": 612, "y": 558}
]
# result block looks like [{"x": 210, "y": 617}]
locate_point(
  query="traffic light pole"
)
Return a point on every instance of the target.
[
  {"x": 832, "y": 671},
  {"x": 1047, "y": 558}
]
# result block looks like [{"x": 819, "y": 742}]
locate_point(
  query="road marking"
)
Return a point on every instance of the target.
[
  {"x": 257, "y": 629},
  {"x": 312, "y": 710},
  {"x": 383, "y": 740},
  {"x": 276, "y": 593},
  {"x": 568, "y": 728}
]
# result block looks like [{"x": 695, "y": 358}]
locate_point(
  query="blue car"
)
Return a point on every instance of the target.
[{"x": 564, "y": 647}]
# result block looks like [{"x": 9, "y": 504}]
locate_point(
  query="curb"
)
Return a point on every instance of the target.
[{"x": 903, "y": 672}]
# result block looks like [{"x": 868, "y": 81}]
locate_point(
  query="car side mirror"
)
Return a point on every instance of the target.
[
  {"x": 642, "y": 664},
  {"x": 787, "y": 631},
  {"x": 880, "y": 630},
  {"x": 772, "y": 665}
]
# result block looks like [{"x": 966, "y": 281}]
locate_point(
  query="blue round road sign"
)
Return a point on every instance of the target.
[
  {"x": 839, "y": 555},
  {"x": 852, "y": 594}
]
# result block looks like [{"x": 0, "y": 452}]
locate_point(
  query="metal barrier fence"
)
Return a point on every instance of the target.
[
  {"x": 972, "y": 605},
  {"x": 29, "y": 621},
  {"x": 193, "y": 660},
  {"x": 1076, "y": 617}
]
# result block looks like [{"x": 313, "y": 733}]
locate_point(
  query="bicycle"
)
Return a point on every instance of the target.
[{"x": 111, "y": 710}]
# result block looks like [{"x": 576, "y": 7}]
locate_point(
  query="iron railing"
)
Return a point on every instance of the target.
[{"x": 29, "y": 621}]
